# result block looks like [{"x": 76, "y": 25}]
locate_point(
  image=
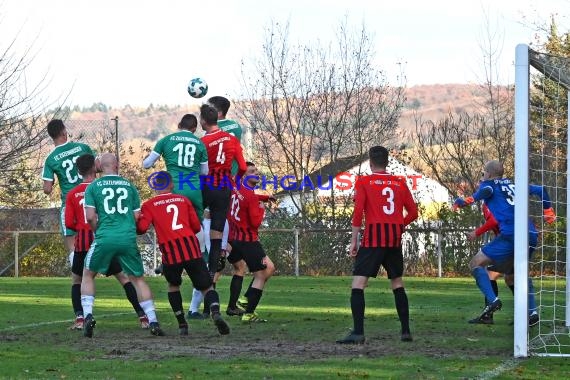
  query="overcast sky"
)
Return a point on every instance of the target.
[{"x": 144, "y": 51}]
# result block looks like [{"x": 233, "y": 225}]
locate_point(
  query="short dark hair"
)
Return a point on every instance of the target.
[
  {"x": 209, "y": 114},
  {"x": 55, "y": 127},
  {"x": 162, "y": 179},
  {"x": 249, "y": 163},
  {"x": 188, "y": 122},
  {"x": 85, "y": 163},
  {"x": 378, "y": 156},
  {"x": 220, "y": 103}
]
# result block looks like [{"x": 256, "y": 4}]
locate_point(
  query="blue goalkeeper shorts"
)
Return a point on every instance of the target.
[{"x": 502, "y": 247}]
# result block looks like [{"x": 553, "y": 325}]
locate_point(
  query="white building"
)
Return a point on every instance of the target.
[{"x": 339, "y": 177}]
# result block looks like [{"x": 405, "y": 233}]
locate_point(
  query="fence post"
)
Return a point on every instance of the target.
[
  {"x": 439, "y": 254},
  {"x": 16, "y": 254},
  {"x": 296, "y": 233}
]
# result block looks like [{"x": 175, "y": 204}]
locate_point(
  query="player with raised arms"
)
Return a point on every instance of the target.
[
  {"x": 185, "y": 158},
  {"x": 498, "y": 194}
]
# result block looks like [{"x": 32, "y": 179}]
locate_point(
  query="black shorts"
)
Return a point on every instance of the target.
[
  {"x": 249, "y": 251},
  {"x": 218, "y": 201},
  {"x": 79, "y": 263},
  {"x": 504, "y": 267},
  {"x": 196, "y": 269},
  {"x": 369, "y": 259}
]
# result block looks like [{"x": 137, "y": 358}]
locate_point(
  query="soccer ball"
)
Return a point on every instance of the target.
[{"x": 197, "y": 88}]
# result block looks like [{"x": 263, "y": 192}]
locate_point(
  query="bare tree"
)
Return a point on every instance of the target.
[
  {"x": 310, "y": 105},
  {"x": 498, "y": 110},
  {"x": 22, "y": 129},
  {"x": 455, "y": 147}
]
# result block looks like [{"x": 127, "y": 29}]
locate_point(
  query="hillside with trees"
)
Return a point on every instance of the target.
[{"x": 154, "y": 121}]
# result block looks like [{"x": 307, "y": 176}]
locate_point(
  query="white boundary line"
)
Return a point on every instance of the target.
[
  {"x": 39, "y": 324},
  {"x": 507, "y": 365}
]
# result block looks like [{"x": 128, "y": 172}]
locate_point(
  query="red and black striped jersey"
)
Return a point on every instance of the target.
[
  {"x": 176, "y": 224},
  {"x": 381, "y": 199},
  {"x": 490, "y": 223},
  {"x": 245, "y": 215},
  {"x": 75, "y": 217},
  {"x": 222, "y": 149}
]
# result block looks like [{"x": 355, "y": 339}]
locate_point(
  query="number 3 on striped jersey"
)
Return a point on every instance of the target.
[
  {"x": 174, "y": 209},
  {"x": 389, "y": 194},
  {"x": 221, "y": 157}
]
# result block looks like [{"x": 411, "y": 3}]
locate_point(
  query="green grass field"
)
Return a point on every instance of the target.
[{"x": 306, "y": 315}]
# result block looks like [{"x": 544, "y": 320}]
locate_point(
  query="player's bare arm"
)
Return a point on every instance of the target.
[
  {"x": 91, "y": 216},
  {"x": 48, "y": 187}
]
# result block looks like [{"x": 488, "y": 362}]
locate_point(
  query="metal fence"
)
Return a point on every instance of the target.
[
  {"x": 100, "y": 135},
  {"x": 294, "y": 251},
  {"x": 325, "y": 251},
  {"x": 41, "y": 253}
]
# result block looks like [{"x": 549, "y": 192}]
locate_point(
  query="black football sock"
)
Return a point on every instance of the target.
[
  {"x": 357, "y": 306},
  {"x": 402, "y": 308},
  {"x": 131, "y": 293},
  {"x": 206, "y": 302},
  {"x": 253, "y": 299},
  {"x": 214, "y": 256},
  {"x": 175, "y": 300},
  {"x": 246, "y": 294},
  {"x": 235, "y": 290},
  {"x": 76, "y": 299},
  {"x": 213, "y": 300}
]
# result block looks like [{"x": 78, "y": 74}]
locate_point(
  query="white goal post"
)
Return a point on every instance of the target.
[{"x": 542, "y": 84}]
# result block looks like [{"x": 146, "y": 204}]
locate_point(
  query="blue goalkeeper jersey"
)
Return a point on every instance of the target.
[{"x": 499, "y": 196}]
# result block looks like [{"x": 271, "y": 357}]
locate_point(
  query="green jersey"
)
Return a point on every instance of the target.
[
  {"x": 115, "y": 200},
  {"x": 233, "y": 128},
  {"x": 61, "y": 163},
  {"x": 183, "y": 153},
  {"x": 230, "y": 126}
]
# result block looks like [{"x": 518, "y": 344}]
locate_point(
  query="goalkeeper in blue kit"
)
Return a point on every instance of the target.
[{"x": 498, "y": 195}]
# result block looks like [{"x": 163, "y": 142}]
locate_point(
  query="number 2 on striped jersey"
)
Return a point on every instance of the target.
[{"x": 175, "y": 224}]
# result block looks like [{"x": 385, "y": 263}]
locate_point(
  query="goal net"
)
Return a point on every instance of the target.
[{"x": 542, "y": 83}]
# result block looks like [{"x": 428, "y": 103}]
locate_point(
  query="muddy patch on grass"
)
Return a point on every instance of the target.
[
  {"x": 8, "y": 338},
  {"x": 140, "y": 347}
]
